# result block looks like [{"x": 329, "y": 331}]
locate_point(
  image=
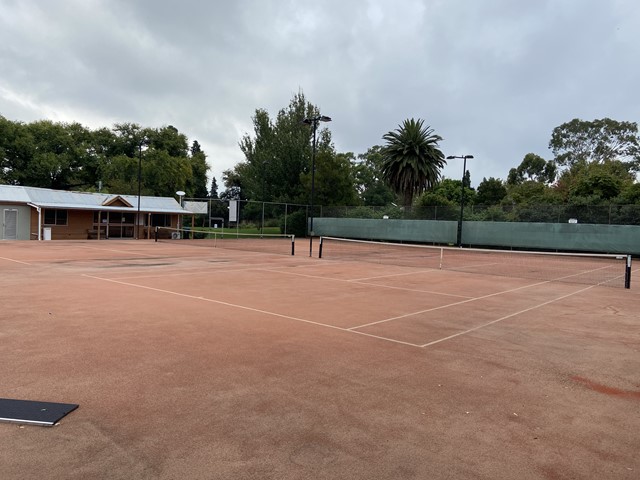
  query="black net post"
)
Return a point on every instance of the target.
[
  {"x": 293, "y": 244},
  {"x": 627, "y": 273},
  {"x": 320, "y": 249}
]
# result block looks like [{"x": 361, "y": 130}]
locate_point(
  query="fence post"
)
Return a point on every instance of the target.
[{"x": 285, "y": 217}]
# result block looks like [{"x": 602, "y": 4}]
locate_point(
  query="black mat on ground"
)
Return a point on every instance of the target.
[{"x": 34, "y": 413}]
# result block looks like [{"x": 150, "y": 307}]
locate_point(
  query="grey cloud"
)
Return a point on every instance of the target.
[{"x": 493, "y": 78}]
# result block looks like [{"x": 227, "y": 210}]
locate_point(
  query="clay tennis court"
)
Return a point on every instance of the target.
[{"x": 215, "y": 363}]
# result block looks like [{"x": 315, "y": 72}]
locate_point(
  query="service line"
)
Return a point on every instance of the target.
[
  {"x": 506, "y": 317},
  {"x": 251, "y": 309}
]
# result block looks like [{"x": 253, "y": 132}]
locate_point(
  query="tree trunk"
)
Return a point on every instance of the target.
[{"x": 408, "y": 198}]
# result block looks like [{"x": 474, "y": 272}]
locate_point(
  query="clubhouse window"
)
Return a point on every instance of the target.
[
  {"x": 160, "y": 220},
  {"x": 55, "y": 217}
]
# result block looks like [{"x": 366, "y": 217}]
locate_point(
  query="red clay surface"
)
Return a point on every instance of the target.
[{"x": 194, "y": 363}]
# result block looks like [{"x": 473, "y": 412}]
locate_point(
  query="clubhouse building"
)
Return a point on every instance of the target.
[{"x": 30, "y": 213}]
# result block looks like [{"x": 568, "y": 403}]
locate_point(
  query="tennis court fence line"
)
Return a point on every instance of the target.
[
  {"x": 582, "y": 268},
  {"x": 258, "y": 242}
]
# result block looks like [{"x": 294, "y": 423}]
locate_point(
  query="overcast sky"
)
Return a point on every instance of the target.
[{"x": 492, "y": 77}]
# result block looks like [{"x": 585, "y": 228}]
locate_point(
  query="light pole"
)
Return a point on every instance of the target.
[
  {"x": 464, "y": 171},
  {"x": 264, "y": 173},
  {"x": 139, "y": 186},
  {"x": 180, "y": 194},
  {"x": 313, "y": 121}
]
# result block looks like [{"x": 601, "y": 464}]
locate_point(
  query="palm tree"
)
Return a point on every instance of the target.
[{"x": 411, "y": 159}]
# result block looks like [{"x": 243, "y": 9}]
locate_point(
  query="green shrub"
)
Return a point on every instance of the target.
[{"x": 296, "y": 224}]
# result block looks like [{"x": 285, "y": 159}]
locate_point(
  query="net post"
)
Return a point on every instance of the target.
[
  {"x": 293, "y": 244},
  {"x": 627, "y": 273},
  {"x": 155, "y": 234},
  {"x": 320, "y": 248}
]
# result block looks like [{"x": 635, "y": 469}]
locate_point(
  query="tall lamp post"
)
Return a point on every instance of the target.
[
  {"x": 180, "y": 194},
  {"x": 313, "y": 121},
  {"x": 464, "y": 171},
  {"x": 139, "y": 186}
]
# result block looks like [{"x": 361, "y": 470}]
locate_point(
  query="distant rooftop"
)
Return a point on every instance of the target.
[{"x": 48, "y": 198}]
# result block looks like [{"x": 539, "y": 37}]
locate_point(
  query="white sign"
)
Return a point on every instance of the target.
[
  {"x": 233, "y": 210},
  {"x": 196, "y": 207}
]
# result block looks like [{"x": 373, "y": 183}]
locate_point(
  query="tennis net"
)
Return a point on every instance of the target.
[
  {"x": 267, "y": 243},
  {"x": 589, "y": 269}
]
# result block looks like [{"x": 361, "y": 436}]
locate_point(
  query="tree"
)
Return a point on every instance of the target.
[
  {"x": 45, "y": 154},
  {"x": 278, "y": 153},
  {"x": 213, "y": 193},
  {"x": 533, "y": 168},
  {"x": 451, "y": 189},
  {"x": 162, "y": 154},
  {"x": 334, "y": 182},
  {"x": 165, "y": 174},
  {"x": 260, "y": 156},
  {"x": 233, "y": 182},
  {"x": 598, "y": 141},
  {"x": 442, "y": 202},
  {"x": 170, "y": 140},
  {"x": 69, "y": 156},
  {"x": 433, "y": 198},
  {"x": 491, "y": 191},
  {"x": 630, "y": 194},
  {"x": 599, "y": 182},
  {"x": 294, "y": 149},
  {"x": 369, "y": 181},
  {"x": 196, "y": 186},
  {"x": 17, "y": 147},
  {"x": 531, "y": 193},
  {"x": 102, "y": 146},
  {"x": 411, "y": 159},
  {"x": 231, "y": 193}
]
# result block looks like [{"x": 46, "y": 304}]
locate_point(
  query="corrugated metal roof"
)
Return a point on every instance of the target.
[{"x": 47, "y": 198}]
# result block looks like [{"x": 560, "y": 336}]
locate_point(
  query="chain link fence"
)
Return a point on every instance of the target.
[
  {"x": 291, "y": 218},
  {"x": 286, "y": 218},
  {"x": 591, "y": 214}
]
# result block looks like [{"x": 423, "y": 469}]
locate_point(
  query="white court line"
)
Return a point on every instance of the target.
[
  {"x": 468, "y": 269},
  {"x": 229, "y": 252},
  {"x": 480, "y": 298},
  {"x": 356, "y": 282},
  {"x": 447, "y": 306},
  {"x": 189, "y": 271},
  {"x": 396, "y": 274},
  {"x": 505, "y": 317},
  {"x": 219, "y": 250},
  {"x": 256, "y": 310},
  {"x": 413, "y": 290},
  {"x": 117, "y": 251},
  {"x": 16, "y": 261},
  {"x": 383, "y": 338}
]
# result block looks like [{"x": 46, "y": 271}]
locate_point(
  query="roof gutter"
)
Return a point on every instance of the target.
[{"x": 39, "y": 219}]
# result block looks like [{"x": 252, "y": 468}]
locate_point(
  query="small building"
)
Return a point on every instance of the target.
[{"x": 31, "y": 213}]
